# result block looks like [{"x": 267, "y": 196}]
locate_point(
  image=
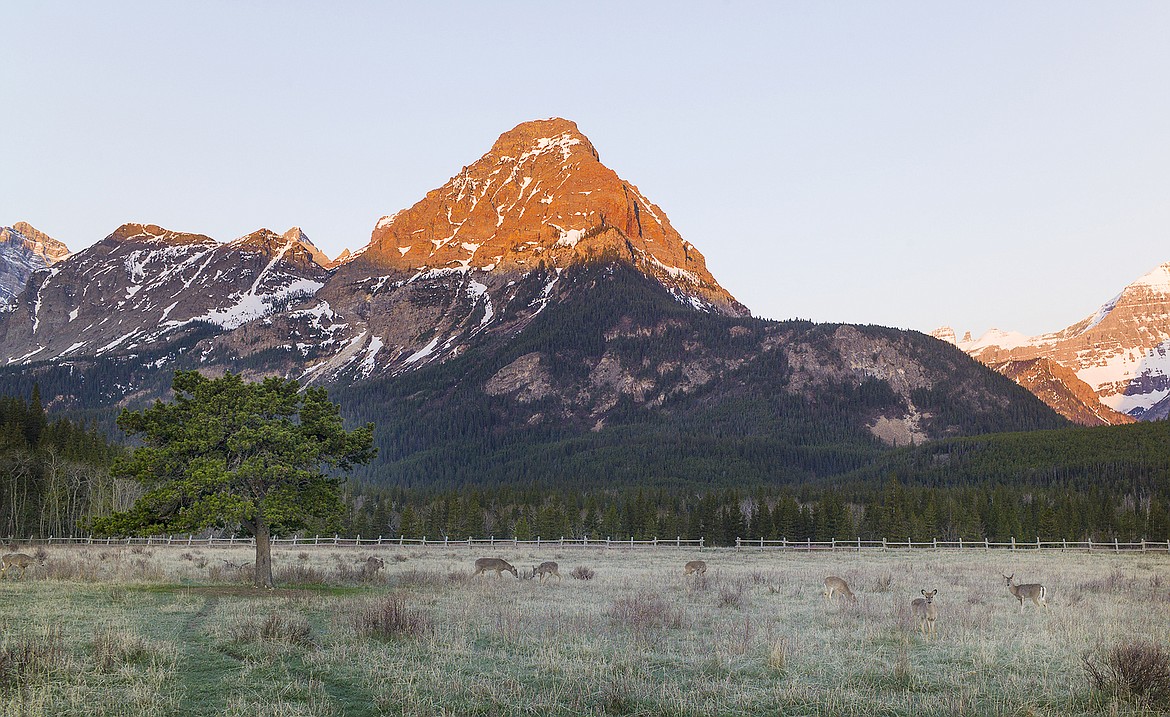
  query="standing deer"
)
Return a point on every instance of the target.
[
  {"x": 548, "y": 567},
  {"x": 835, "y": 585},
  {"x": 926, "y": 611},
  {"x": 1035, "y": 592},
  {"x": 18, "y": 560},
  {"x": 697, "y": 567},
  {"x": 371, "y": 566},
  {"x": 498, "y": 564}
]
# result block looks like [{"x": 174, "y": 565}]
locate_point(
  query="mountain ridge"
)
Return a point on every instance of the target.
[{"x": 1122, "y": 350}]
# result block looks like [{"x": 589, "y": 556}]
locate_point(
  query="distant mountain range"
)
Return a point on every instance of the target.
[
  {"x": 535, "y": 305},
  {"x": 1108, "y": 368}
]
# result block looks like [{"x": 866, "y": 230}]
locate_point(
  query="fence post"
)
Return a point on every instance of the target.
[
  {"x": 1037, "y": 542},
  {"x": 424, "y": 541},
  {"x": 1063, "y": 544},
  {"x": 784, "y": 542},
  {"x": 883, "y": 543},
  {"x": 701, "y": 539},
  {"x": 1090, "y": 543},
  {"x": 833, "y": 545},
  {"x": 1013, "y": 542},
  {"x": 935, "y": 543},
  {"x": 678, "y": 542},
  {"x": 960, "y": 543},
  {"x": 562, "y": 541},
  {"x": 1116, "y": 547},
  {"x": 737, "y": 543}
]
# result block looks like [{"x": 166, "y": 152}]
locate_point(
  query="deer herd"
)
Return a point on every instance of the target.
[{"x": 923, "y": 609}]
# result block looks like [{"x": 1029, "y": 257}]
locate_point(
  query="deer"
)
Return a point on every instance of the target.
[
  {"x": 1035, "y": 592},
  {"x": 835, "y": 585},
  {"x": 18, "y": 560},
  {"x": 371, "y": 566},
  {"x": 498, "y": 564},
  {"x": 697, "y": 567},
  {"x": 926, "y": 611},
  {"x": 548, "y": 567}
]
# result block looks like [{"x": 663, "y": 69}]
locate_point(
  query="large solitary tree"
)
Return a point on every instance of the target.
[{"x": 265, "y": 457}]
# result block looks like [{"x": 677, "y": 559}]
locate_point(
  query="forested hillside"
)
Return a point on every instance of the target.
[
  {"x": 623, "y": 386},
  {"x": 1076, "y": 484}
]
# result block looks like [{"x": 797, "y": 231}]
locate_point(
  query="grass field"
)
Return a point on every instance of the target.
[{"x": 173, "y": 631}]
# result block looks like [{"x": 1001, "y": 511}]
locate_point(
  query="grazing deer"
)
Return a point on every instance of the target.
[
  {"x": 548, "y": 567},
  {"x": 498, "y": 564},
  {"x": 926, "y": 611},
  {"x": 18, "y": 560},
  {"x": 697, "y": 567},
  {"x": 371, "y": 566},
  {"x": 835, "y": 585},
  {"x": 1035, "y": 592}
]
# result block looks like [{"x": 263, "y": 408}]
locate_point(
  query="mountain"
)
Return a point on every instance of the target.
[
  {"x": 1062, "y": 391},
  {"x": 534, "y": 314},
  {"x": 458, "y": 264},
  {"x": 24, "y": 250},
  {"x": 144, "y": 286},
  {"x": 1122, "y": 351}
]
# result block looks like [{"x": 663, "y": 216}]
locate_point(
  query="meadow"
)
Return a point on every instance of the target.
[{"x": 176, "y": 631}]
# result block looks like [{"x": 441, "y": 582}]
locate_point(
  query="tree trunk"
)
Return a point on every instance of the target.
[{"x": 262, "y": 573}]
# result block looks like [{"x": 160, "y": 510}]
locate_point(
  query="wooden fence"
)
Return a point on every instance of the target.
[{"x": 741, "y": 544}]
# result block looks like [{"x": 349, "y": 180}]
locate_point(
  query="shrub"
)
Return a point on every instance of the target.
[
  {"x": 778, "y": 658},
  {"x": 731, "y": 596},
  {"x": 112, "y": 649},
  {"x": 582, "y": 573},
  {"x": 644, "y": 611},
  {"x": 1140, "y": 669},
  {"x": 30, "y": 657},
  {"x": 391, "y": 618},
  {"x": 289, "y": 628}
]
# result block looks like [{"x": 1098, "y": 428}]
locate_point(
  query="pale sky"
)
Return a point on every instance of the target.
[{"x": 907, "y": 164}]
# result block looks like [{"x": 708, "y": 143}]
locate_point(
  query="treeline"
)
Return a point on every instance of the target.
[
  {"x": 54, "y": 475},
  {"x": 891, "y": 510}
]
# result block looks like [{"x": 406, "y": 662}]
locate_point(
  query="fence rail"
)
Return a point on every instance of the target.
[{"x": 741, "y": 544}]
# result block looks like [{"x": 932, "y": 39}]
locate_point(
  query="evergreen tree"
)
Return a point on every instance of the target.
[{"x": 227, "y": 452}]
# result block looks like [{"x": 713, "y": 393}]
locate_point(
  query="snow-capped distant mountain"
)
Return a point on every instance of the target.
[
  {"x": 1122, "y": 351},
  {"x": 144, "y": 286},
  {"x": 24, "y": 250}
]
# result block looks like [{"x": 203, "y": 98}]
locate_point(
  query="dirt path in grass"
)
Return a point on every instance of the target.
[
  {"x": 209, "y": 674},
  {"x": 203, "y": 671}
]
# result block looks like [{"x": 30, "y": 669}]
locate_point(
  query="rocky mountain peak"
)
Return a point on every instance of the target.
[
  {"x": 37, "y": 242},
  {"x": 1122, "y": 350},
  {"x": 24, "y": 250},
  {"x": 554, "y": 137},
  {"x": 133, "y": 233},
  {"x": 539, "y": 198},
  {"x": 292, "y": 246}
]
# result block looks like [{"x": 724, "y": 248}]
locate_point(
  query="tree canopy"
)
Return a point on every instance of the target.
[{"x": 266, "y": 457}]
